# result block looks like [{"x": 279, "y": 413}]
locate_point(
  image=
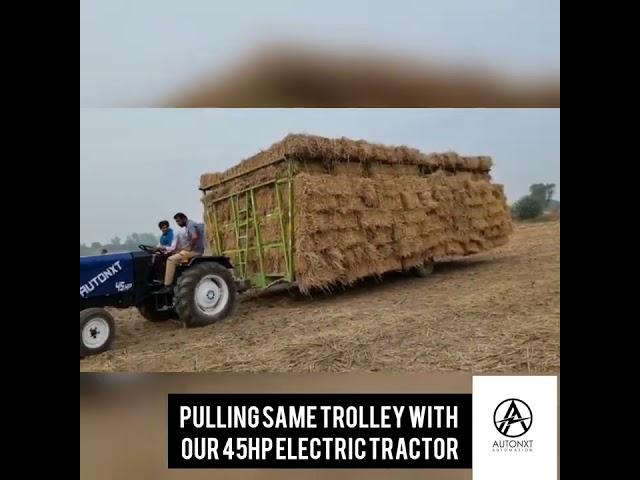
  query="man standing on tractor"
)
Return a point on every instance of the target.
[{"x": 194, "y": 233}]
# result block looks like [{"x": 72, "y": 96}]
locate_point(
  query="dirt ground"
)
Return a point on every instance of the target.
[{"x": 494, "y": 312}]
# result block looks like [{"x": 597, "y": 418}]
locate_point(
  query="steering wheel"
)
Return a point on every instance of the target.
[{"x": 148, "y": 248}]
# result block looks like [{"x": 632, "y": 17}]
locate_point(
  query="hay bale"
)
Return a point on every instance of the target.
[
  {"x": 361, "y": 209},
  {"x": 348, "y": 168},
  {"x": 321, "y": 154},
  {"x": 209, "y": 179},
  {"x": 393, "y": 170},
  {"x": 379, "y": 236}
]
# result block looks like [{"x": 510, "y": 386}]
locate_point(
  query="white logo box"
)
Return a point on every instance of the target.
[{"x": 529, "y": 455}]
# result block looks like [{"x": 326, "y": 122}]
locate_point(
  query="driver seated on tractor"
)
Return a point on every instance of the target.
[
  {"x": 194, "y": 234},
  {"x": 180, "y": 241}
]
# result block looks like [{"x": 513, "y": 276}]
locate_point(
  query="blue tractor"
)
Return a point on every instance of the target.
[{"x": 204, "y": 292}]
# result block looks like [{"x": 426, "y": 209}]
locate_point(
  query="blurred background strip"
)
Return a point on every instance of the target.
[{"x": 334, "y": 53}]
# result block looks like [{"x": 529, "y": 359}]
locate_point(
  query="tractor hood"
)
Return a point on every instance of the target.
[{"x": 105, "y": 275}]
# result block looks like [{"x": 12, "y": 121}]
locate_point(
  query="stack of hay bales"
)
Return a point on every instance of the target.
[{"x": 362, "y": 209}]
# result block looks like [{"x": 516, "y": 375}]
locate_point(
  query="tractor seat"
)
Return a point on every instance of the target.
[{"x": 188, "y": 260}]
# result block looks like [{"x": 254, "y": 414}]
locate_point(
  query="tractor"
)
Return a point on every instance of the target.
[{"x": 204, "y": 292}]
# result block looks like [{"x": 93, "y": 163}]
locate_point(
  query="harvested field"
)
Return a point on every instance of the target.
[{"x": 494, "y": 312}]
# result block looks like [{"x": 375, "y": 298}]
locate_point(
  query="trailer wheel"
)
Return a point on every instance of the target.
[
  {"x": 205, "y": 294},
  {"x": 97, "y": 330},
  {"x": 148, "y": 310},
  {"x": 423, "y": 270}
]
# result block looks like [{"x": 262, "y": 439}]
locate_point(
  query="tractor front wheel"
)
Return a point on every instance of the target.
[
  {"x": 204, "y": 294},
  {"x": 97, "y": 330}
]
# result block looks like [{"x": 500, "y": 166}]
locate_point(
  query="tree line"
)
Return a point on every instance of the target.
[{"x": 116, "y": 244}]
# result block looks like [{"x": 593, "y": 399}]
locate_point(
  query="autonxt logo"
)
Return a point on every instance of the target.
[
  {"x": 513, "y": 418},
  {"x": 99, "y": 279}
]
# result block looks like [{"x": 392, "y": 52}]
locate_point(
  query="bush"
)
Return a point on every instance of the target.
[{"x": 527, "y": 208}]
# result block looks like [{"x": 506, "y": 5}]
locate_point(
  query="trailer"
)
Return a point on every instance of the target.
[
  {"x": 247, "y": 218},
  {"x": 324, "y": 213}
]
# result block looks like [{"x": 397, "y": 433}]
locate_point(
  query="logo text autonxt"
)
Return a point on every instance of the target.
[
  {"x": 512, "y": 418},
  {"x": 99, "y": 279},
  {"x": 512, "y": 446}
]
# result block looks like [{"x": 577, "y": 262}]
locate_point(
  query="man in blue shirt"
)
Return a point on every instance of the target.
[{"x": 166, "y": 239}]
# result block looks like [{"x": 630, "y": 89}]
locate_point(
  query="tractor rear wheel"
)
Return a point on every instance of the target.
[
  {"x": 204, "y": 294},
  {"x": 97, "y": 330}
]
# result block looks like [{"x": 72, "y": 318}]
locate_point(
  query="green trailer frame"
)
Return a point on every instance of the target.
[{"x": 247, "y": 224}]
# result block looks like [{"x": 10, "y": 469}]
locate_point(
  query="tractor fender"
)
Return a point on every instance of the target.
[{"x": 222, "y": 260}]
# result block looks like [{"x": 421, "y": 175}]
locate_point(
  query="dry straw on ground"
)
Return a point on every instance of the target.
[
  {"x": 495, "y": 312},
  {"x": 363, "y": 209}
]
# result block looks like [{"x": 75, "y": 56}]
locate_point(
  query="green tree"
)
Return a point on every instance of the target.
[
  {"x": 528, "y": 207},
  {"x": 149, "y": 238},
  {"x": 136, "y": 239},
  {"x": 542, "y": 192}
]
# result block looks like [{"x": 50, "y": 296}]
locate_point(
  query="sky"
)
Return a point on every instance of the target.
[
  {"x": 142, "y": 49},
  {"x": 139, "y": 166}
]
